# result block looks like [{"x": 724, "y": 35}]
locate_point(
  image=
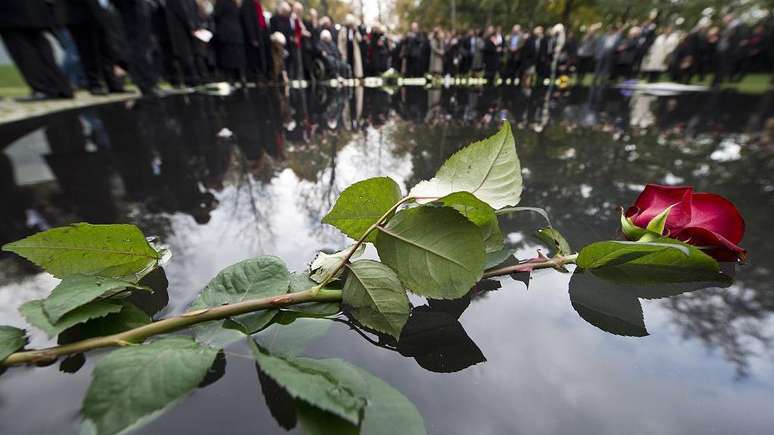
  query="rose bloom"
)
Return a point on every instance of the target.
[{"x": 705, "y": 220}]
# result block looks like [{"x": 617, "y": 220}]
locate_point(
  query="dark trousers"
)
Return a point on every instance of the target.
[
  {"x": 137, "y": 24},
  {"x": 32, "y": 54},
  {"x": 97, "y": 57}
]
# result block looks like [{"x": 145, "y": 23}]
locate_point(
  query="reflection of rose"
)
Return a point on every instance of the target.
[{"x": 705, "y": 220}]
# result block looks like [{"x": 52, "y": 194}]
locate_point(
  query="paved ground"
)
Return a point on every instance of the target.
[{"x": 12, "y": 110}]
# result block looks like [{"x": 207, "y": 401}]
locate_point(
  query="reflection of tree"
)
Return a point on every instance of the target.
[{"x": 587, "y": 161}]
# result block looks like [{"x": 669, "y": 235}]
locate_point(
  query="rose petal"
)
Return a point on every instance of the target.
[
  {"x": 718, "y": 215},
  {"x": 655, "y": 198},
  {"x": 716, "y": 246}
]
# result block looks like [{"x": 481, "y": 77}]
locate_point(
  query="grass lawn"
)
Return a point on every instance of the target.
[
  {"x": 11, "y": 82},
  {"x": 751, "y": 84}
]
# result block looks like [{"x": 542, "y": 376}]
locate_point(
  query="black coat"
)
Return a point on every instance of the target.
[
  {"x": 491, "y": 56},
  {"x": 282, "y": 25},
  {"x": 256, "y": 39},
  {"x": 181, "y": 18},
  {"x": 228, "y": 23},
  {"x": 30, "y": 14}
]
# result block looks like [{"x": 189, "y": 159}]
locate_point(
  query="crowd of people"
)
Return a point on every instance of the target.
[{"x": 193, "y": 42}]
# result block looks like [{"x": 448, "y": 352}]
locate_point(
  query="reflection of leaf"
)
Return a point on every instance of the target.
[
  {"x": 362, "y": 204},
  {"x": 34, "y": 315},
  {"x": 152, "y": 303},
  {"x": 107, "y": 250},
  {"x": 481, "y": 214},
  {"x": 249, "y": 279},
  {"x": 132, "y": 384},
  {"x": 11, "y": 340},
  {"x": 495, "y": 259},
  {"x": 438, "y": 342},
  {"x": 488, "y": 169},
  {"x": 326, "y": 384},
  {"x": 77, "y": 290},
  {"x": 289, "y": 386},
  {"x": 314, "y": 421},
  {"x": 376, "y": 297},
  {"x": 663, "y": 260},
  {"x": 435, "y": 251},
  {"x": 281, "y": 404},
  {"x": 606, "y": 306},
  {"x": 291, "y": 339}
]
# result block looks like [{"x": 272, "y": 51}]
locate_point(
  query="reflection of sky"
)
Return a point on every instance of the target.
[{"x": 547, "y": 370}]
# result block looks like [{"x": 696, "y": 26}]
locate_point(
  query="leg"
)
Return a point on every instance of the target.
[{"x": 32, "y": 54}]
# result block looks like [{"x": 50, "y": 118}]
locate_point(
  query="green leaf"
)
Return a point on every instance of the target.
[
  {"x": 35, "y": 315},
  {"x": 435, "y": 251},
  {"x": 129, "y": 317},
  {"x": 388, "y": 411},
  {"x": 481, "y": 214},
  {"x": 657, "y": 224},
  {"x": 325, "y": 384},
  {"x": 249, "y": 279},
  {"x": 538, "y": 210},
  {"x": 606, "y": 306},
  {"x": 131, "y": 385},
  {"x": 488, "y": 169},
  {"x": 497, "y": 258},
  {"x": 11, "y": 340},
  {"x": 77, "y": 290},
  {"x": 116, "y": 251},
  {"x": 556, "y": 240},
  {"x": 362, "y": 204},
  {"x": 376, "y": 297},
  {"x": 661, "y": 261},
  {"x": 292, "y": 339},
  {"x": 325, "y": 264},
  {"x": 300, "y": 282},
  {"x": 319, "y": 382},
  {"x": 631, "y": 231}
]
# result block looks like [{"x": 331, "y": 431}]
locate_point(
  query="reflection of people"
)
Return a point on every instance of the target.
[{"x": 23, "y": 24}]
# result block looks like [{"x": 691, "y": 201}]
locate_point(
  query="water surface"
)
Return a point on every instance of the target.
[{"x": 224, "y": 178}]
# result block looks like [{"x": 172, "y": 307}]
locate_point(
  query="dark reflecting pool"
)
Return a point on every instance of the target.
[{"x": 223, "y": 178}]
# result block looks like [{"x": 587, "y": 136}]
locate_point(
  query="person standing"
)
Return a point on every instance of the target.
[
  {"x": 655, "y": 62},
  {"x": 491, "y": 54},
  {"x": 257, "y": 42},
  {"x": 281, "y": 22},
  {"x": 437, "y": 51},
  {"x": 230, "y": 39},
  {"x": 378, "y": 50},
  {"x": 181, "y": 18},
  {"x": 349, "y": 46},
  {"x": 23, "y": 24},
  {"x": 87, "y": 22},
  {"x": 586, "y": 49},
  {"x": 728, "y": 50},
  {"x": 604, "y": 57},
  {"x": 136, "y": 18},
  {"x": 515, "y": 43}
]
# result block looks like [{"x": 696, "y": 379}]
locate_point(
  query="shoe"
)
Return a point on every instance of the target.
[
  {"x": 35, "y": 97},
  {"x": 120, "y": 91},
  {"x": 98, "y": 91}
]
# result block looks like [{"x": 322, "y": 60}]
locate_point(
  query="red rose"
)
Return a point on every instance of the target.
[{"x": 705, "y": 220}]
